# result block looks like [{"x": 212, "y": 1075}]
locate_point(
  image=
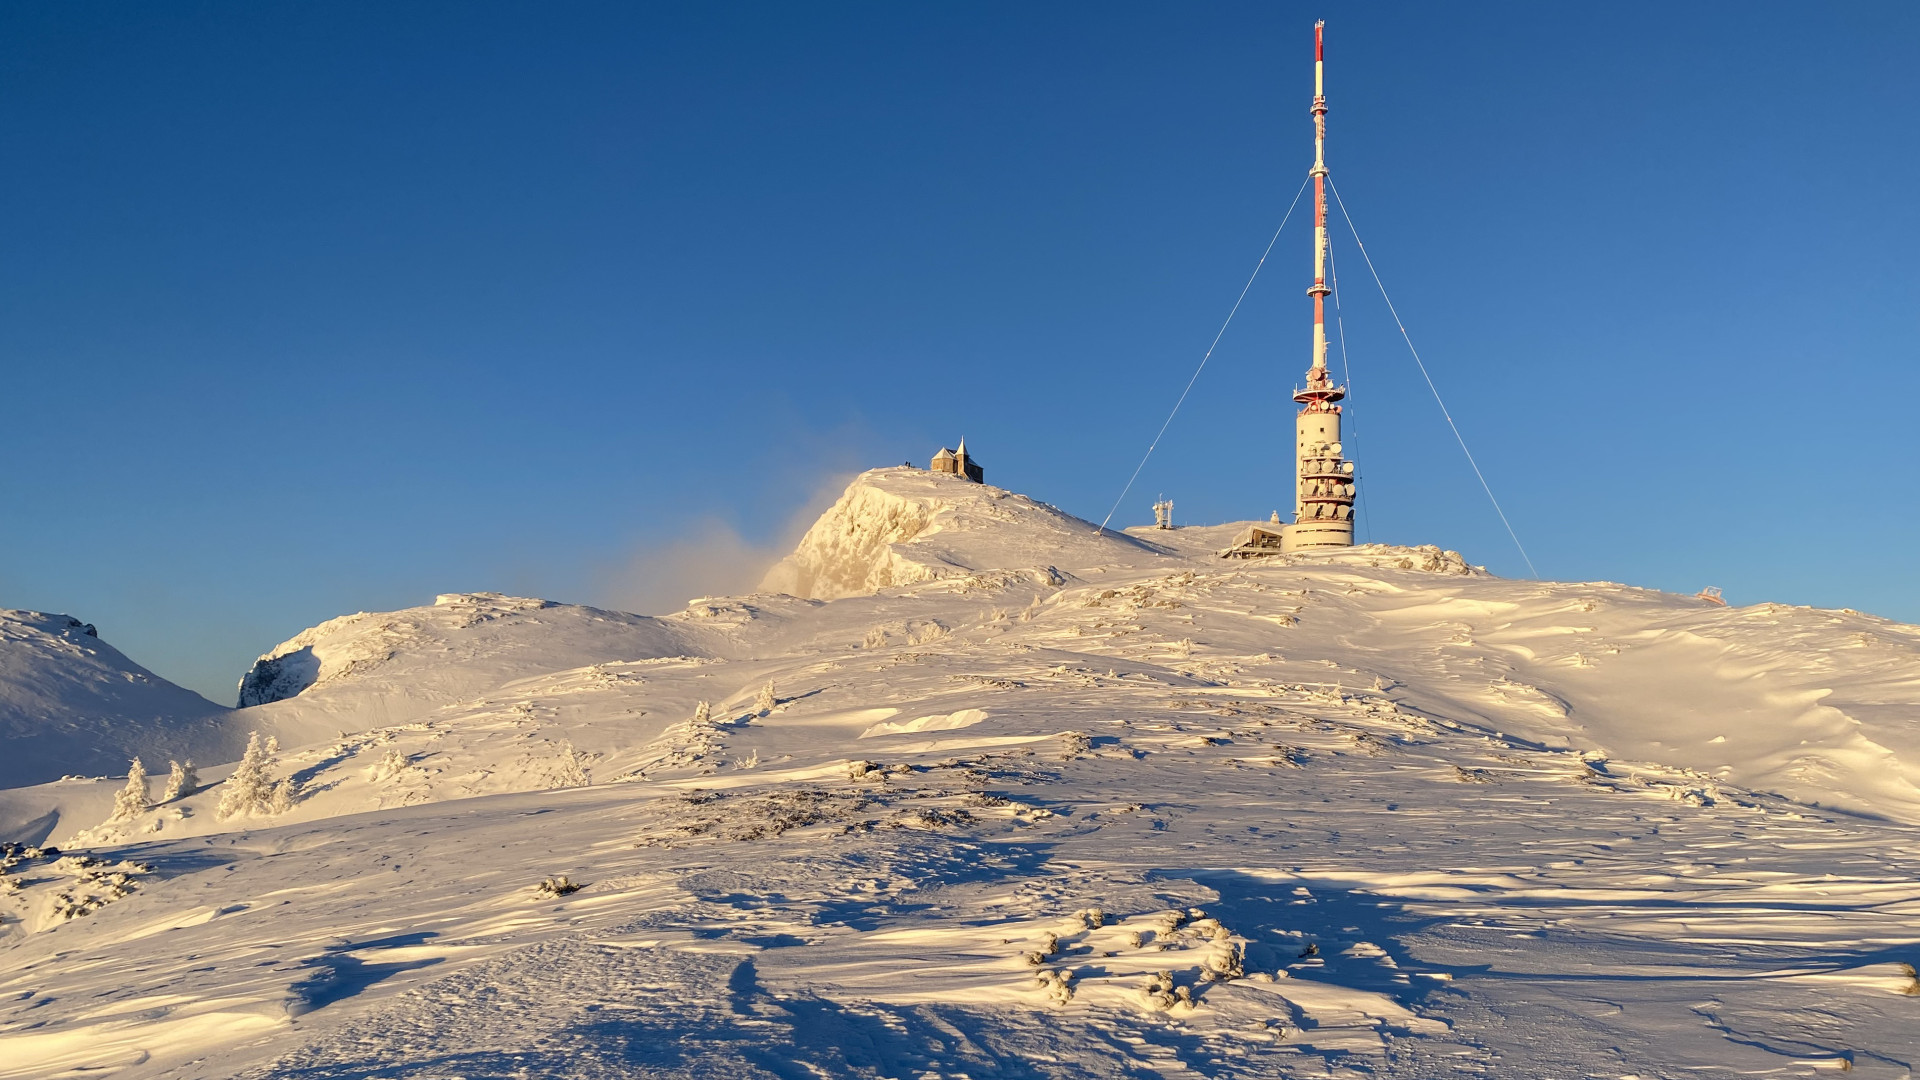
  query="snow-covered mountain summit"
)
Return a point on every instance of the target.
[
  {"x": 902, "y": 526},
  {"x": 71, "y": 703},
  {"x": 1020, "y": 800}
]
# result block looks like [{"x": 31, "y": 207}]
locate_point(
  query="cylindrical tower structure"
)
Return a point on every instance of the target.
[{"x": 1323, "y": 486}]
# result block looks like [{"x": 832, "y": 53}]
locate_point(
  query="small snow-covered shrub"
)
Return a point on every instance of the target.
[
  {"x": 1161, "y": 993},
  {"x": 934, "y": 817},
  {"x": 720, "y": 816},
  {"x": 96, "y": 883},
  {"x": 1094, "y": 918},
  {"x": 393, "y": 765},
  {"x": 1227, "y": 964},
  {"x": 1158, "y": 990},
  {"x": 865, "y": 770},
  {"x": 1057, "y": 984},
  {"x": 1073, "y": 744},
  {"x": 1692, "y": 796},
  {"x": 764, "y": 703},
  {"x": 556, "y": 887},
  {"x": 182, "y": 780},
  {"x": 283, "y": 796},
  {"x": 571, "y": 770}
]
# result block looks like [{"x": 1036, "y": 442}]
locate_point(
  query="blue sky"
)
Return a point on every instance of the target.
[{"x": 310, "y": 309}]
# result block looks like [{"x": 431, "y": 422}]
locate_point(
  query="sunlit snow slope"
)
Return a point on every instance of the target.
[{"x": 1021, "y": 800}]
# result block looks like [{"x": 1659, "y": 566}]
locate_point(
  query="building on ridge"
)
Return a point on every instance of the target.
[{"x": 957, "y": 463}]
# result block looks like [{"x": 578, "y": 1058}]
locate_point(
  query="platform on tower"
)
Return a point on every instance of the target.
[{"x": 1274, "y": 538}]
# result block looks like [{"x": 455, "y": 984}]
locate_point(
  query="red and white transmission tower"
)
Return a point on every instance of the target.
[{"x": 1323, "y": 481}]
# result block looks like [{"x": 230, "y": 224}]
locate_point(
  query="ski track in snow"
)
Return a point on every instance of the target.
[{"x": 1369, "y": 821}]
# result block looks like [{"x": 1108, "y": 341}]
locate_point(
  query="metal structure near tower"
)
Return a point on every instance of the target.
[{"x": 1323, "y": 478}]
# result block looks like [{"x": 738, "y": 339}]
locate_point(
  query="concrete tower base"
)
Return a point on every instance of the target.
[
  {"x": 1323, "y": 484},
  {"x": 1308, "y": 535}
]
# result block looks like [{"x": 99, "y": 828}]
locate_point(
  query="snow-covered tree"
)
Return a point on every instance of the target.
[
  {"x": 250, "y": 788},
  {"x": 132, "y": 801},
  {"x": 764, "y": 704},
  {"x": 394, "y": 765},
  {"x": 183, "y": 781},
  {"x": 284, "y": 795},
  {"x": 572, "y": 768},
  {"x": 702, "y": 715}
]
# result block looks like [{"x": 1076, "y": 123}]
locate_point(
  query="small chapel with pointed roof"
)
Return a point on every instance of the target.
[{"x": 957, "y": 463}]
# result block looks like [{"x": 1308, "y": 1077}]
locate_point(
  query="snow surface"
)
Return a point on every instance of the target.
[{"x": 1029, "y": 801}]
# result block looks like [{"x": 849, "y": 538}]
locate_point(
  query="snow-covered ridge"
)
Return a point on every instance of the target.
[
  {"x": 360, "y": 644},
  {"x": 903, "y": 526},
  {"x": 378, "y": 668},
  {"x": 71, "y": 703}
]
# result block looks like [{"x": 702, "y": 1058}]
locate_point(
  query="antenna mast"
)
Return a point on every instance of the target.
[
  {"x": 1317, "y": 372},
  {"x": 1323, "y": 479}
]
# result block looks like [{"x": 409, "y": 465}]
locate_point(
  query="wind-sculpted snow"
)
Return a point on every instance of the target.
[
  {"x": 71, "y": 703},
  {"x": 902, "y": 526},
  {"x": 1372, "y": 813}
]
